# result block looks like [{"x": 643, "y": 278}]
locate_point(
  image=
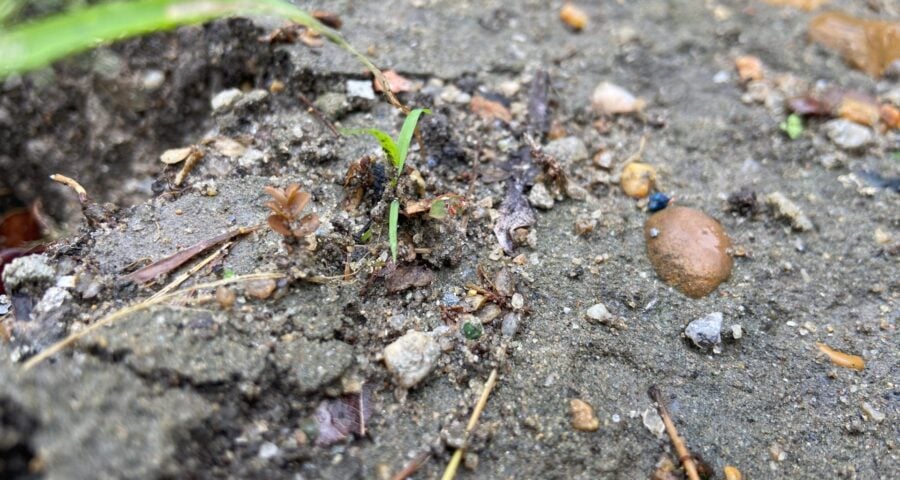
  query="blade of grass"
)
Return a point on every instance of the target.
[
  {"x": 393, "y": 219},
  {"x": 37, "y": 43},
  {"x": 387, "y": 143},
  {"x": 406, "y": 134}
]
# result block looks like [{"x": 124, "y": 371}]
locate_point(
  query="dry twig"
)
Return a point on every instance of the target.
[
  {"x": 450, "y": 471},
  {"x": 413, "y": 466},
  {"x": 683, "y": 453},
  {"x": 71, "y": 183},
  {"x": 143, "y": 305}
]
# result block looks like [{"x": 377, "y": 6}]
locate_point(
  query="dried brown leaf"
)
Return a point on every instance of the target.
[
  {"x": 515, "y": 213},
  {"x": 489, "y": 109},
  {"x": 403, "y": 278},
  {"x": 308, "y": 225},
  {"x": 340, "y": 418},
  {"x": 278, "y": 224}
]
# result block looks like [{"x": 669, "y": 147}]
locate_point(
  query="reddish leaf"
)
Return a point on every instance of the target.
[
  {"x": 340, "y": 418},
  {"x": 18, "y": 228}
]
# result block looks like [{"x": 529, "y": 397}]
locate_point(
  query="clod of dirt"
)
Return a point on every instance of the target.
[
  {"x": 489, "y": 109},
  {"x": 785, "y": 208},
  {"x": 31, "y": 270},
  {"x": 583, "y": 417},
  {"x": 407, "y": 277},
  {"x": 186, "y": 345},
  {"x": 411, "y": 357},
  {"x": 688, "y": 250},
  {"x": 706, "y": 332},
  {"x": 637, "y": 179},
  {"x": 869, "y": 45},
  {"x": 567, "y": 150},
  {"x": 311, "y": 365},
  {"x": 610, "y": 99},
  {"x": 261, "y": 289},
  {"x": 743, "y": 202}
]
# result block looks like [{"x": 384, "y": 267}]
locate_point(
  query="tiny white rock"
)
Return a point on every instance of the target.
[
  {"x": 653, "y": 422},
  {"x": 225, "y": 99},
  {"x": 600, "y": 313},
  {"x": 411, "y": 357},
  {"x": 612, "y": 99}
]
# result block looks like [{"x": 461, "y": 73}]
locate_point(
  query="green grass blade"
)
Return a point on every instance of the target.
[
  {"x": 393, "y": 219},
  {"x": 406, "y": 134},
  {"x": 37, "y": 43},
  {"x": 387, "y": 143}
]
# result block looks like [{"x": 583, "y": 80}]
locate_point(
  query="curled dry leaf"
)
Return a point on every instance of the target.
[
  {"x": 515, "y": 213},
  {"x": 397, "y": 82},
  {"x": 842, "y": 359},
  {"x": 610, "y": 99},
  {"x": 489, "y": 109},
  {"x": 286, "y": 206},
  {"x": 404, "y": 278},
  {"x": 343, "y": 417}
]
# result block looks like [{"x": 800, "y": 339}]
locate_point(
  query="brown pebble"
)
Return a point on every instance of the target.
[
  {"x": 637, "y": 179},
  {"x": 732, "y": 473},
  {"x": 225, "y": 296},
  {"x": 583, "y": 417},
  {"x": 573, "y": 16},
  {"x": 584, "y": 226},
  {"x": 261, "y": 289},
  {"x": 688, "y": 250}
]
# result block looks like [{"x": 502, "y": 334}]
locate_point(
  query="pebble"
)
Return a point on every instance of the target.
[
  {"x": 153, "y": 79},
  {"x": 510, "y": 325},
  {"x": 600, "y": 313},
  {"x": 332, "y": 105},
  {"x": 583, "y": 417},
  {"x": 732, "y": 473},
  {"x": 872, "y": 413},
  {"x": 689, "y": 250},
  {"x": 261, "y": 289},
  {"x": 411, "y": 357},
  {"x": 489, "y": 313},
  {"x": 737, "y": 332},
  {"x": 637, "y": 179},
  {"x": 518, "y": 301},
  {"x": 610, "y": 99},
  {"x": 653, "y": 422},
  {"x": 225, "y": 296},
  {"x": 848, "y": 135},
  {"x": 225, "y": 99},
  {"x": 567, "y": 150},
  {"x": 573, "y": 16},
  {"x": 540, "y": 197},
  {"x": 706, "y": 332},
  {"x": 785, "y": 208},
  {"x": 268, "y": 450},
  {"x": 584, "y": 226},
  {"x": 360, "y": 88},
  {"x": 658, "y": 201}
]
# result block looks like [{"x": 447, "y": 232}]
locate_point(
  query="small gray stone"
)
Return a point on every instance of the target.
[
  {"x": 706, "y": 332},
  {"x": 360, "y": 88},
  {"x": 517, "y": 301},
  {"x": 737, "y": 332},
  {"x": 411, "y": 357},
  {"x": 268, "y": 450},
  {"x": 153, "y": 79},
  {"x": 225, "y": 99},
  {"x": 540, "y": 197},
  {"x": 599, "y": 313},
  {"x": 510, "y": 325},
  {"x": 567, "y": 150},
  {"x": 30, "y": 270},
  {"x": 848, "y": 135},
  {"x": 333, "y": 105}
]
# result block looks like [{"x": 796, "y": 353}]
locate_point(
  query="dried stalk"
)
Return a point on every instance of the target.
[
  {"x": 450, "y": 471},
  {"x": 683, "y": 453}
]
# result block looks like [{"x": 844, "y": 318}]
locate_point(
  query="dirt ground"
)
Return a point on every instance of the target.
[{"x": 190, "y": 389}]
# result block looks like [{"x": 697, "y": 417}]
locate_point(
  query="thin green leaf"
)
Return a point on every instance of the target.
[
  {"x": 37, "y": 43},
  {"x": 387, "y": 143},
  {"x": 438, "y": 209},
  {"x": 406, "y": 134},
  {"x": 393, "y": 219},
  {"x": 8, "y": 7}
]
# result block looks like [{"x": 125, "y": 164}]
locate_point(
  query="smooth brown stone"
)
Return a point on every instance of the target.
[{"x": 689, "y": 250}]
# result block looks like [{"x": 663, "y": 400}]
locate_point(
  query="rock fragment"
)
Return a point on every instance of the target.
[
  {"x": 540, "y": 197},
  {"x": 411, "y": 357},
  {"x": 583, "y": 417},
  {"x": 706, "y": 332},
  {"x": 848, "y": 135}
]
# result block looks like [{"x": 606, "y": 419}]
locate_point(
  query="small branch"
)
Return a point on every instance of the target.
[
  {"x": 143, "y": 305},
  {"x": 683, "y": 453},
  {"x": 450, "y": 471},
  {"x": 318, "y": 114},
  {"x": 73, "y": 184}
]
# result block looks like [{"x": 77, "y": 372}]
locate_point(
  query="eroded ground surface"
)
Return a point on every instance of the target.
[{"x": 195, "y": 390}]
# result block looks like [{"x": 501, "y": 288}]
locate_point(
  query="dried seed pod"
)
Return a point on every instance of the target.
[{"x": 870, "y": 45}]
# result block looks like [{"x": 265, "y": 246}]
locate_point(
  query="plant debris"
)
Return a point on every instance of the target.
[
  {"x": 842, "y": 359},
  {"x": 286, "y": 206},
  {"x": 396, "y": 82},
  {"x": 870, "y": 45},
  {"x": 166, "y": 265},
  {"x": 340, "y": 418},
  {"x": 515, "y": 214},
  {"x": 489, "y": 109},
  {"x": 406, "y": 277}
]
